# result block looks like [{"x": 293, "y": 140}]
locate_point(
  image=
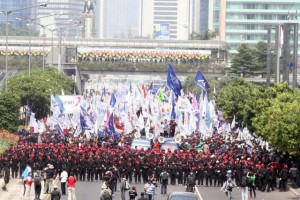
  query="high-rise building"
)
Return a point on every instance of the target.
[
  {"x": 67, "y": 12},
  {"x": 8, "y": 5},
  {"x": 118, "y": 18},
  {"x": 170, "y": 19},
  {"x": 244, "y": 21}
]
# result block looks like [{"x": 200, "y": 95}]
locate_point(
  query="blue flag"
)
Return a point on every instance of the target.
[
  {"x": 173, "y": 82},
  {"x": 60, "y": 104},
  {"x": 200, "y": 81},
  {"x": 113, "y": 100},
  {"x": 150, "y": 87},
  {"x": 173, "y": 113},
  {"x": 111, "y": 127},
  {"x": 84, "y": 125}
]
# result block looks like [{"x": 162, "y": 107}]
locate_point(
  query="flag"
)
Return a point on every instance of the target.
[
  {"x": 150, "y": 87},
  {"x": 111, "y": 127},
  {"x": 83, "y": 123},
  {"x": 27, "y": 108},
  {"x": 160, "y": 94},
  {"x": 113, "y": 100},
  {"x": 200, "y": 81},
  {"x": 173, "y": 82},
  {"x": 233, "y": 122},
  {"x": 144, "y": 91},
  {"x": 173, "y": 113}
]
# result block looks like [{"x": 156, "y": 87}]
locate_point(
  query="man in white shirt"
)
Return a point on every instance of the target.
[{"x": 63, "y": 180}]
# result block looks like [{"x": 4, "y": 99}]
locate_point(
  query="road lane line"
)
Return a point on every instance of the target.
[{"x": 198, "y": 193}]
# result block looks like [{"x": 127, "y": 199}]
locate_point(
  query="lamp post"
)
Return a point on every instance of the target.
[
  {"x": 30, "y": 21},
  {"x": 44, "y": 28},
  {"x": 7, "y": 13}
]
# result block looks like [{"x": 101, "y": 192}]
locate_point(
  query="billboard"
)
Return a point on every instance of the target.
[{"x": 162, "y": 31}]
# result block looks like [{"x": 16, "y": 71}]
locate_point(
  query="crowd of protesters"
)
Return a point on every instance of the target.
[{"x": 91, "y": 160}]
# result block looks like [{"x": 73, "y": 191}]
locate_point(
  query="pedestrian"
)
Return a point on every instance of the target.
[
  {"x": 71, "y": 180},
  {"x": 28, "y": 183},
  {"x": 164, "y": 176},
  {"x": 150, "y": 190},
  {"x": 37, "y": 185},
  {"x": 142, "y": 196},
  {"x": 245, "y": 182},
  {"x": 132, "y": 193},
  {"x": 24, "y": 175},
  {"x": 252, "y": 185},
  {"x": 106, "y": 193},
  {"x": 294, "y": 173},
  {"x": 5, "y": 173},
  {"x": 63, "y": 180},
  {"x": 283, "y": 178},
  {"x": 55, "y": 194},
  {"x": 123, "y": 187},
  {"x": 49, "y": 179},
  {"x": 228, "y": 188}
]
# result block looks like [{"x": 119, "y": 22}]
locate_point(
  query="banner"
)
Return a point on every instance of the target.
[{"x": 68, "y": 104}]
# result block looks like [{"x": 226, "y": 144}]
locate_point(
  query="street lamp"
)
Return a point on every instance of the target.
[
  {"x": 30, "y": 23},
  {"x": 44, "y": 34},
  {"x": 6, "y": 13}
]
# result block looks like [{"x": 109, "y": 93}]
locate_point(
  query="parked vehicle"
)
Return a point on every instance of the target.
[{"x": 182, "y": 196}]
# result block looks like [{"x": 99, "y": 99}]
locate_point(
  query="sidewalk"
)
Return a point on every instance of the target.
[{"x": 15, "y": 190}]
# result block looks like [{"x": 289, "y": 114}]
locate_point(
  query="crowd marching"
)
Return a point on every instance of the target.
[{"x": 89, "y": 137}]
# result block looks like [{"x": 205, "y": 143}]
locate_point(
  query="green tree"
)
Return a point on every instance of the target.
[
  {"x": 10, "y": 110},
  {"x": 38, "y": 87},
  {"x": 207, "y": 35},
  {"x": 17, "y": 31},
  {"x": 242, "y": 62},
  {"x": 260, "y": 58},
  {"x": 279, "y": 123}
]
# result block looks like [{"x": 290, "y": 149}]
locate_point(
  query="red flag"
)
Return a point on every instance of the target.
[{"x": 144, "y": 91}]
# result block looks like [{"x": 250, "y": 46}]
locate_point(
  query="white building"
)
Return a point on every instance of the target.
[{"x": 173, "y": 19}]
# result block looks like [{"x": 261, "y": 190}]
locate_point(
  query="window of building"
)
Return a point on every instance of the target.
[
  {"x": 265, "y": 6},
  {"x": 249, "y": 6},
  {"x": 250, "y": 27},
  {"x": 267, "y": 17},
  {"x": 250, "y": 16}
]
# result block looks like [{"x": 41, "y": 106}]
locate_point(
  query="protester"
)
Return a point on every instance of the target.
[
  {"x": 71, "y": 180},
  {"x": 55, "y": 194},
  {"x": 63, "y": 180},
  {"x": 244, "y": 185},
  {"x": 37, "y": 185},
  {"x": 123, "y": 187}
]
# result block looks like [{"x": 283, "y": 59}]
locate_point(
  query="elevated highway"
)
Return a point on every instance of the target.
[{"x": 119, "y": 43}]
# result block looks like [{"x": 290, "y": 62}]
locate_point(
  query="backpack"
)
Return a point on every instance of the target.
[
  {"x": 106, "y": 194},
  {"x": 127, "y": 185},
  {"x": 164, "y": 177},
  {"x": 245, "y": 182}
]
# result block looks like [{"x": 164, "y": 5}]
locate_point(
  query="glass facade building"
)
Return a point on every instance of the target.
[
  {"x": 7, "y": 5},
  {"x": 248, "y": 21}
]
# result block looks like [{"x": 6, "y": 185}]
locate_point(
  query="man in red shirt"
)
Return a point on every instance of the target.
[{"x": 71, "y": 180}]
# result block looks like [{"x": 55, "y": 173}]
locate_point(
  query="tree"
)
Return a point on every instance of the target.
[
  {"x": 279, "y": 123},
  {"x": 37, "y": 88},
  {"x": 207, "y": 35},
  {"x": 242, "y": 62},
  {"x": 17, "y": 31},
  {"x": 10, "y": 110},
  {"x": 250, "y": 61}
]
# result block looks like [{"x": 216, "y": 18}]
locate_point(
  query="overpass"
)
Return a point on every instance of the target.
[{"x": 119, "y": 43}]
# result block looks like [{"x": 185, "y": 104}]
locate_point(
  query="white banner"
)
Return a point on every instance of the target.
[{"x": 68, "y": 104}]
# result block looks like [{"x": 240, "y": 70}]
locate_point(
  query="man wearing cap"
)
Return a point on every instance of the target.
[{"x": 55, "y": 194}]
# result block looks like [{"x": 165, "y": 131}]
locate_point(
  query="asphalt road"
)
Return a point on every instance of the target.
[{"x": 91, "y": 191}]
